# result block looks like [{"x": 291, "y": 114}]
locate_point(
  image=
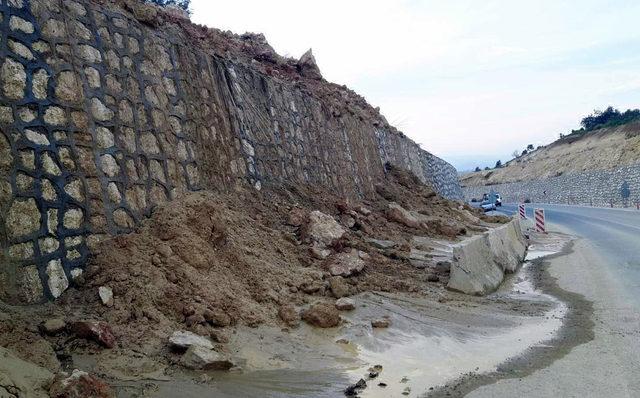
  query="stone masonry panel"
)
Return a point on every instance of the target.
[
  {"x": 103, "y": 117},
  {"x": 603, "y": 188}
]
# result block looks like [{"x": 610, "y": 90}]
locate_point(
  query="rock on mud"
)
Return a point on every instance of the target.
[
  {"x": 399, "y": 214},
  {"x": 79, "y": 385},
  {"x": 106, "y": 295},
  {"x": 183, "y": 340},
  {"x": 204, "y": 358},
  {"x": 347, "y": 264},
  {"x": 354, "y": 389},
  {"x": 100, "y": 332},
  {"x": 345, "y": 304},
  {"x": 338, "y": 286},
  {"x": 217, "y": 317},
  {"x": 53, "y": 326},
  {"x": 381, "y": 323},
  {"x": 322, "y": 316},
  {"x": 322, "y": 229},
  {"x": 289, "y": 315}
]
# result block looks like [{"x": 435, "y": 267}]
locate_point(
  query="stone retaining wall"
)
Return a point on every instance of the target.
[
  {"x": 605, "y": 188},
  {"x": 102, "y": 117}
]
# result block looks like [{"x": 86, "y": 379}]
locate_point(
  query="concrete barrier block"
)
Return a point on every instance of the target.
[{"x": 479, "y": 263}]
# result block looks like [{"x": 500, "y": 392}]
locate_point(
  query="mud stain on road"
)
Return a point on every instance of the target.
[{"x": 577, "y": 328}]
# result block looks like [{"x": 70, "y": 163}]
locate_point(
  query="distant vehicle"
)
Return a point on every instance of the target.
[
  {"x": 487, "y": 205},
  {"x": 490, "y": 201}
]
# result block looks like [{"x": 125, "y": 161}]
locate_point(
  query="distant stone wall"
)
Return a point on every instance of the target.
[
  {"x": 103, "y": 117},
  {"x": 605, "y": 188}
]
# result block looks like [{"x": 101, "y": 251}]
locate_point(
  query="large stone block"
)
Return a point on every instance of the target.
[
  {"x": 23, "y": 218},
  {"x": 68, "y": 87},
  {"x": 13, "y": 78},
  {"x": 479, "y": 263},
  {"x": 6, "y": 159}
]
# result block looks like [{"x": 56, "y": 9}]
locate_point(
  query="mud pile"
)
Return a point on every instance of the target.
[
  {"x": 207, "y": 262},
  {"x": 213, "y": 260}
]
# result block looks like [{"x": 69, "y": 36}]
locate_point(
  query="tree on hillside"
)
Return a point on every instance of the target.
[
  {"x": 530, "y": 147},
  {"x": 498, "y": 164},
  {"x": 184, "y": 4},
  {"x": 515, "y": 153},
  {"x": 477, "y": 168},
  {"x": 610, "y": 117}
]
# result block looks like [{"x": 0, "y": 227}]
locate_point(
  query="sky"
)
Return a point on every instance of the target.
[{"x": 469, "y": 80}]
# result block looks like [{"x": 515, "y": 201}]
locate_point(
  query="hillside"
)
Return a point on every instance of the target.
[{"x": 602, "y": 149}]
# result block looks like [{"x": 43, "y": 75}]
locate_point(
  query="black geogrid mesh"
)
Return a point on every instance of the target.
[
  {"x": 246, "y": 121},
  {"x": 80, "y": 139},
  {"x": 20, "y": 143}
]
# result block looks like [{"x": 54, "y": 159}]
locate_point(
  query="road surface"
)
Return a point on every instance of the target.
[
  {"x": 605, "y": 268},
  {"x": 614, "y": 234}
]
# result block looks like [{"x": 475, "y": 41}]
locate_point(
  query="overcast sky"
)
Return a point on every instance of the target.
[{"x": 470, "y": 80}]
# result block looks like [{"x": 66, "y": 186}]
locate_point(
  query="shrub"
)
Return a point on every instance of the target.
[
  {"x": 184, "y": 4},
  {"x": 610, "y": 117}
]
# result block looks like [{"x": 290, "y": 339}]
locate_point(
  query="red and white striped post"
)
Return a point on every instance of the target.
[
  {"x": 523, "y": 214},
  {"x": 538, "y": 215}
]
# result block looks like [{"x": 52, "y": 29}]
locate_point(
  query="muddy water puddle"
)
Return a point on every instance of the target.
[{"x": 428, "y": 344}]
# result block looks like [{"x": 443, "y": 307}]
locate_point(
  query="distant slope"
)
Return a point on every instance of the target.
[{"x": 606, "y": 148}]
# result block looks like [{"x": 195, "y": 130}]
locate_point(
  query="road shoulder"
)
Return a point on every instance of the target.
[{"x": 598, "y": 351}]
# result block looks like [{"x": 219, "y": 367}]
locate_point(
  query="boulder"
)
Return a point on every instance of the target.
[
  {"x": 98, "y": 331},
  {"x": 321, "y": 229},
  {"x": 322, "y": 316},
  {"x": 346, "y": 264},
  {"x": 79, "y": 385},
  {"x": 183, "y": 340},
  {"x": 308, "y": 67},
  {"x": 345, "y": 304},
  {"x": 338, "y": 286},
  {"x": 204, "y": 358},
  {"x": 399, "y": 214}
]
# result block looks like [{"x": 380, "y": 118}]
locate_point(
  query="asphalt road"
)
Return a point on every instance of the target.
[
  {"x": 604, "y": 268},
  {"x": 613, "y": 233}
]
